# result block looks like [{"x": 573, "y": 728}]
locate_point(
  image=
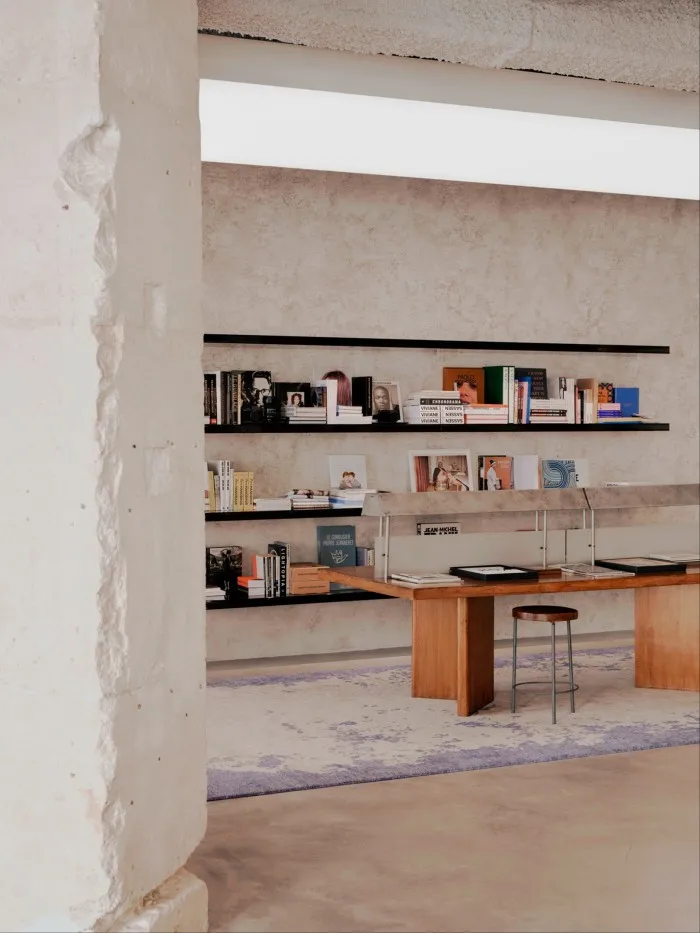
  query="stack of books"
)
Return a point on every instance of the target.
[
  {"x": 309, "y": 499},
  {"x": 215, "y": 594},
  {"x": 549, "y": 411},
  {"x": 434, "y": 406},
  {"x": 306, "y": 580},
  {"x": 609, "y": 410},
  {"x": 273, "y": 504},
  {"x": 485, "y": 414},
  {"x": 299, "y": 414},
  {"x": 348, "y": 498},
  {"x": 251, "y": 587},
  {"x": 352, "y": 414},
  {"x": 365, "y": 556}
]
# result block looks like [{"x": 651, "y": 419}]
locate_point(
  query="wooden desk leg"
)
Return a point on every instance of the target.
[
  {"x": 475, "y": 654},
  {"x": 667, "y": 637},
  {"x": 434, "y": 654}
]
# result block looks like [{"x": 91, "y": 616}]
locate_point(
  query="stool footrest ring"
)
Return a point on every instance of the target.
[{"x": 545, "y": 683}]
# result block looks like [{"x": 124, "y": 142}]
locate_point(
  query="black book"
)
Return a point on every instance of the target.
[
  {"x": 256, "y": 386},
  {"x": 224, "y": 566},
  {"x": 362, "y": 393},
  {"x": 538, "y": 386},
  {"x": 282, "y": 550}
]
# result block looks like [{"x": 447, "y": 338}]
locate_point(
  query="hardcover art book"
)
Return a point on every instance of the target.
[
  {"x": 347, "y": 471},
  {"x": 441, "y": 471},
  {"x": 337, "y": 549},
  {"x": 495, "y": 472},
  {"x": 558, "y": 474},
  {"x": 467, "y": 380},
  {"x": 223, "y": 566}
]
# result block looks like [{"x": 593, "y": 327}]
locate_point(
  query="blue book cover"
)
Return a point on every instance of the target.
[
  {"x": 558, "y": 474},
  {"x": 337, "y": 549},
  {"x": 628, "y": 399}
]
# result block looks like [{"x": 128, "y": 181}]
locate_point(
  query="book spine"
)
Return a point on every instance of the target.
[
  {"x": 217, "y": 390},
  {"x": 206, "y": 399},
  {"x": 250, "y": 493},
  {"x": 511, "y": 394}
]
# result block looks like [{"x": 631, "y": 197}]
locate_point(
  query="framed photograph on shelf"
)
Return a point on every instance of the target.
[
  {"x": 347, "y": 471},
  {"x": 441, "y": 471},
  {"x": 292, "y": 393},
  {"x": 386, "y": 396}
]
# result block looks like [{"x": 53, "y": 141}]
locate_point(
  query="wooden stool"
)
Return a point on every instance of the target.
[{"x": 551, "y": 614}]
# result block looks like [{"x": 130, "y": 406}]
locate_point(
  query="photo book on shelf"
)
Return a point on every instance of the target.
[
  {"x": 495, "y": 472},
  {"x": 467, "y": 380},
  {"x": 386, "y": 397},
  {"x": 347, "y": 471},
  {"x": 223, "y": 566},
  {"x": 441, "y": 471}
]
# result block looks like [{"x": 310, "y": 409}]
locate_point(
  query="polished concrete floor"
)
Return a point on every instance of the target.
[{"x": 597, "y": 844}]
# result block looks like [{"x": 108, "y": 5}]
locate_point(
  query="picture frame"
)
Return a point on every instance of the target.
[
  {"x": 386, "y": 397},
  {"x": 347, "y": 472},
  {"x": 292, "y": 393},
  {"x": 441, "y": 471}
]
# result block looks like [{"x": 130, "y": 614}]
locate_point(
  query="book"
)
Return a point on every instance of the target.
[
  {"x": 593, "y": 571},
  {"x": 495, "y": 472},
  {"x": 365, "y": 556},
  {"x": 605, "y": 392},
  {"x": 526, "y": 471},
  {"x": 223, "y": 566},
  {"x": 588, "y": 389},
  {"x": 628, "y": 398},
  {"x": 273, "y": 504},
  {"x": 337, "y": 548},
  {"x": 282, "y": 550},
  {"x": 468, "y": 381},
  {"x": 256, "y": 386},
  {"x": 427, "y": 579},
  {"x": 538, "y": 380},
  {"x": 362, "y": 393},
  {"x": 558, "y": 474},
  {"x": 348, "y": 471},
  {"x": 499, "y": 387}
]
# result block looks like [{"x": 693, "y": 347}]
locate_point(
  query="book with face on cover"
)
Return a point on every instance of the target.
[
  {"x": 224, "y": 566},
  {"x": 467, "y": 380}
]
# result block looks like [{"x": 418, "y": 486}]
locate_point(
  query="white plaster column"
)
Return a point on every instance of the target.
[{"x": 102, "y": 736}]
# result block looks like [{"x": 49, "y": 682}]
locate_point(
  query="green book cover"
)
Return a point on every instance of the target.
[
  {"x": 496, "y": 384},
  {"x": 337, "y": 549}
]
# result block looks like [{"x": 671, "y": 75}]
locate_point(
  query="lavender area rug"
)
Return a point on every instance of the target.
[{"x": 278, "y": 733}]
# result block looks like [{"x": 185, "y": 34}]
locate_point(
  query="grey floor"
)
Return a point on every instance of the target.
[{"x": 598, "y": 844}]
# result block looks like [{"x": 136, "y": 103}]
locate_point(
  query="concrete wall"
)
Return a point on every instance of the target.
[
  {"x": 649, "y": 42},
  {"x": 101, "y": 634},
  {"x": 323, "y": 253}
]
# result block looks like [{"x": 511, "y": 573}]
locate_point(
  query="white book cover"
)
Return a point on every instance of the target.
[{"x": 526, "y": 471}]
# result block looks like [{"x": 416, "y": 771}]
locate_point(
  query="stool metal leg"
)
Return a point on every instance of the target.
[
  {"x": 515, "y": 661},
  {"x": 554, "y": 677},
  {"x": 571, "y": 667}
]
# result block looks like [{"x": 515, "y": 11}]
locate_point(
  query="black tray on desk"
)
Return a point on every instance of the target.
[
  {"x": 487, "y": 574},
  {"x": 641, "y": 565}
]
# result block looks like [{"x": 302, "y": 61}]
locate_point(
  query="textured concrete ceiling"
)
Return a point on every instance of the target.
[{"x": 648, "y": 42}]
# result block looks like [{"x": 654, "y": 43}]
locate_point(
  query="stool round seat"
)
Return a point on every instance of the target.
[{"x": 545, "y": 613}]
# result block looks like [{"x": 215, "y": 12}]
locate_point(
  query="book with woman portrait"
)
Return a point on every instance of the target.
[{"x": 441, "y": 471}]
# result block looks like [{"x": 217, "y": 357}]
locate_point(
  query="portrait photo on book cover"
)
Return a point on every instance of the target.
[
  {"x": 256, "y": 386},
  {"x": 386, "y": 396},
  {"x": 440, "y": 471},
  {"x": 348, "y": 471},
  {"x": 224, "y": 565}
]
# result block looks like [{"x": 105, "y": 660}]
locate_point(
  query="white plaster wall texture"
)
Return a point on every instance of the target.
[
  {"x": 292, "y": 252},
  {"x": 648, "y": 42},
  {"x": 101, "y": 691}
]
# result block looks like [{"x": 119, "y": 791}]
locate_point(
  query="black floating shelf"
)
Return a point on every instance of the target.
[
  {"x": 428, "y": 428},
  {"x": 245, "y": 603},
  {"x": 275, "y": 516},
  {"x": 285, "y": 340}
]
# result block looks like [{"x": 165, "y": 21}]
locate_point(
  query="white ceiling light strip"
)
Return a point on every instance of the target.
[{"x": 255, "y": 124}]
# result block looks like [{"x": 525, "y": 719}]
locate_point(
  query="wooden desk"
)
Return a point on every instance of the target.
[{"x": 453, "y": 639}]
